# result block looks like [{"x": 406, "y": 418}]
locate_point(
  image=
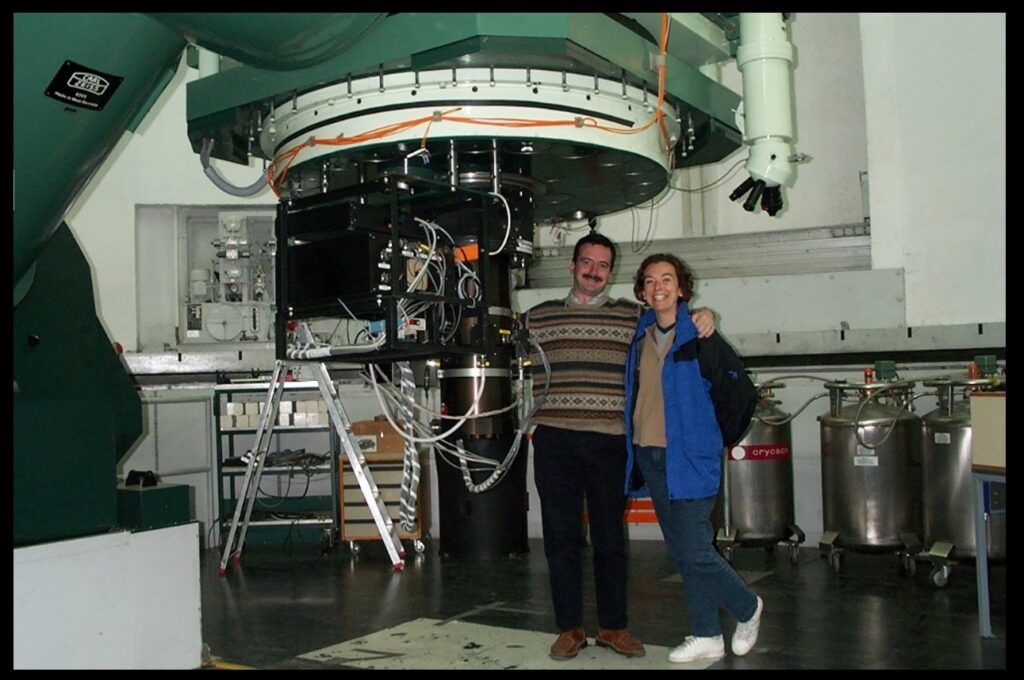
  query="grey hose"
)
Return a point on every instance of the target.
[{"x": 223, "y": 184}]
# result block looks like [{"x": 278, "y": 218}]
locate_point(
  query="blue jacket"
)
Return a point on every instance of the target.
[{"x": 693, "y": 456}]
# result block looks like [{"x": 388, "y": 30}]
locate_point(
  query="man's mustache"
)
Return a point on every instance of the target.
[{"x": 592, "y": 277}]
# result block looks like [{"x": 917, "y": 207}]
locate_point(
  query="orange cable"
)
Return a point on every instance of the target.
[{"x": 385, "y": 131}]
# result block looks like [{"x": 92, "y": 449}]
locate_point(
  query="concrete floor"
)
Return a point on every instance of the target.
[{"x": 289, "y": 606}]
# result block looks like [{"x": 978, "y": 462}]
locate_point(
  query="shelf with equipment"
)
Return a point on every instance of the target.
[{"x": 297, "y": 499}]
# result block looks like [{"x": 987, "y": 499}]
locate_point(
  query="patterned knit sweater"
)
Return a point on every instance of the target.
[{"x": 587, "y": 347}]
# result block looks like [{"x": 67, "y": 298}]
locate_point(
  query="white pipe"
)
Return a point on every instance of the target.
[
  {"x": 209, "y": 62},
  {"x": 765, "y": 58}
]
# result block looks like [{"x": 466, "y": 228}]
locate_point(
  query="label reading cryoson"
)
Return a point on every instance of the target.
[
  {"x": 941, "y": 437},
  {"x": 82, "y": 86},
  {"x": 865, "y": 461},
  {"x": 760, "y": 452}
]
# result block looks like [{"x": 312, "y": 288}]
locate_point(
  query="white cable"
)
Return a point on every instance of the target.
[
  {"x": 313, "y": 350},
  {"x": 327, "y": 351},
  {"x": 499, "y": 472},
  {"x": 427, "y": 440},
  {"x": 391, "y": 391},
  {"x": 410, "y": 461},
  {"x": 449, "y": 448},
  {"x": 460, "y": 453},
  {"x": 502, "y": 468},
  {"x": 435, "y": 225},
  {"x": 508, "y": 225},
  {"x": 468, "y": 274},
  {"x": 430, "y": 230},
  {"x": 445, "y": 452},
  {"x": 432, "y": 239}
]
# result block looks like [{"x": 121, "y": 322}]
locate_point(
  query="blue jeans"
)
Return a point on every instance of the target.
[
  {"x": 569, "y": 465},
  {"x": 709, "y": 581}
]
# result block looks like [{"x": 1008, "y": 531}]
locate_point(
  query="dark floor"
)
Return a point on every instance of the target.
[{"x": 282, "y": 602}]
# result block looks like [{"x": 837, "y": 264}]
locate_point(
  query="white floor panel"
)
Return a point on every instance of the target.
[{"x": 453, "y": 645}]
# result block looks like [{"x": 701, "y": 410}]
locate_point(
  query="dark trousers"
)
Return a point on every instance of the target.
[{"x": 567, "y": 466}]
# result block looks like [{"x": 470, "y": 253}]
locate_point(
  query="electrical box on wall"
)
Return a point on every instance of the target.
[{"x": 226, "y": 278}]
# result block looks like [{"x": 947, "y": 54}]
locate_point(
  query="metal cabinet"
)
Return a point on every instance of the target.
[
  {"x": 356, "y": 520},
  {"x": 298, "y": 495}
]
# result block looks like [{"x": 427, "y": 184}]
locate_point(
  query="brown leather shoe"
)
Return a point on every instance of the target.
[
  {"x": 620, "y": 641},
  {"x": 569, "y": 644}
]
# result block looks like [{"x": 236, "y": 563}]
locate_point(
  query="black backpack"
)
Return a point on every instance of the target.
[{"x": 732, "y": 393}]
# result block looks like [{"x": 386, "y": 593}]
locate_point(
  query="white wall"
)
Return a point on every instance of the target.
[
  {"x": 828, "y": 96},
  {"x": 919, "y": 102},
  {"x": 935, "y": 93}
]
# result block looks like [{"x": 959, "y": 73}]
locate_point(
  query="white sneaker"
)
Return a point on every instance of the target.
[
  {"x": 694, "y": 648},
  {"x": 745, "y": 637}
]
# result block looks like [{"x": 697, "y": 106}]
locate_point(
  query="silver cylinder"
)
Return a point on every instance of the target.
[
  {"x": 871, "y": 495},
  {"x": 460, "y": 385},
  {"x": 759, "y": 479},
  {"x": 948, "y": 483}
]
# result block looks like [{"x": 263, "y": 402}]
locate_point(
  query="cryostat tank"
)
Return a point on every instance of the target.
[
  {"x": 948, "y": 485},
  {"x": 870, "y": 469},
  {"x": 757, "y": 484}
]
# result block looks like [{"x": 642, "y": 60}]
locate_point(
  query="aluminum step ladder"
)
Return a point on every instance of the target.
[
  {"x": 371, "y": 494},
  {"x": 258, "y": 455}
]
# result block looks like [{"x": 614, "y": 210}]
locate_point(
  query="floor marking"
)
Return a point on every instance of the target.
[{"x": 430, "y": 643}]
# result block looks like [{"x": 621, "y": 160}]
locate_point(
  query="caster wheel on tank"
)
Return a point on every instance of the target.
[
  {"x": 939, "y": 576},
  {"x": 835, "y": 560},
  {"x": 354, "y": 547},
  {"x": 794, "y": 553},
  {"x": 727, "y": 553},
  {"x": 909, "y": 564},
  {"x": 419, "y": 546}
]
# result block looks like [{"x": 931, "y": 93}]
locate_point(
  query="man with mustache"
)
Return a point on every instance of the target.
[{"x": 579, "y": 444}]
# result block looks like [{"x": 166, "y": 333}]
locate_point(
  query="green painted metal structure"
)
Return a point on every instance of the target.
[
  {"x": 76, "y": 411},
  {"x": 81, "y": 80},
  {"x": 222, "y": 106},
  {"x": 280, "y": 41},
  {"x": 58, "y": 146}
]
